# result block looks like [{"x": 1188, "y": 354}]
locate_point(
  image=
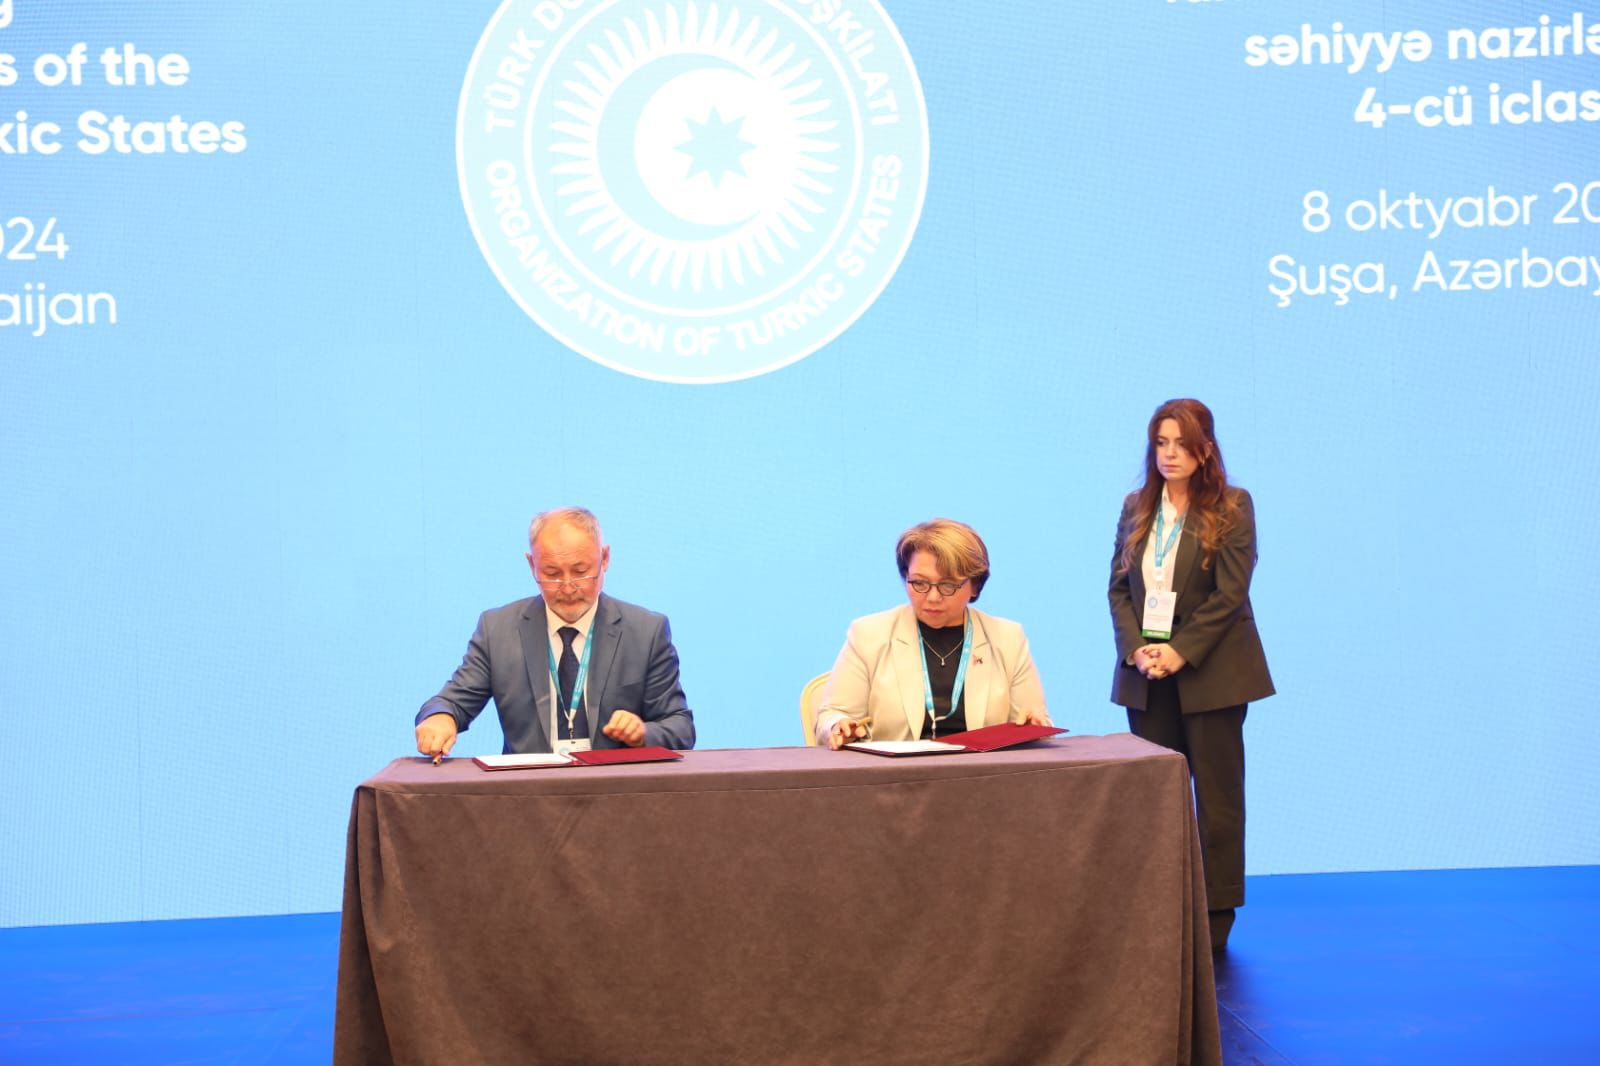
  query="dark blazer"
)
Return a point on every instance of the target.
[
  {"x": 1215, "y": 628},
  {"x": 633, "y": 667}
]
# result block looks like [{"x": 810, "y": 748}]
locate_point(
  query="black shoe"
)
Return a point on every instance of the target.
[{"x": 1221, "y": 925}]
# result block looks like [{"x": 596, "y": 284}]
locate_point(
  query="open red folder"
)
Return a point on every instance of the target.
[
  {"x": 989, "y": 738},
  {"x": 608, "y": 756},
  {"x": 594, "y": 757},
  {"x": 1005, "y": 735}
]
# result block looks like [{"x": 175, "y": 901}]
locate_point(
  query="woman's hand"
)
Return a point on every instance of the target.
[
  {"x": 1037, "y": 718},
  {"x": 845, "y": 731},
  {"x": 1156, "y": 661}
]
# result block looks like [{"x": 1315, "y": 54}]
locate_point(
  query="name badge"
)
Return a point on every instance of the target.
[
  {"x": 1159, "y": 607},
  {"x": 564, "y": 747}
]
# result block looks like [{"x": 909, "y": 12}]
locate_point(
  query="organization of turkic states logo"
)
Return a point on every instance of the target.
[{"x": 691, "y": 191}]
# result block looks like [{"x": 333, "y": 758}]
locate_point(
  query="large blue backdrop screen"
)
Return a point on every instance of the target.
[{"x": 248, "y": 526}]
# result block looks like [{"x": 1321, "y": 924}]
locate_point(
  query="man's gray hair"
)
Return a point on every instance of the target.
[{"x": 580, "y": 517}]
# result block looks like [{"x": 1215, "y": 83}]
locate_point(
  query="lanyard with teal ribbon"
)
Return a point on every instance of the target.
[
  {"x": 961, "y": 676},
  {"x": 577, "y": 682},
  {"x": 1163, "y": 548}
]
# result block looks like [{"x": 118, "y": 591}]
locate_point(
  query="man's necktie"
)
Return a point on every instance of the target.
[{"x": 567, "y": 674}]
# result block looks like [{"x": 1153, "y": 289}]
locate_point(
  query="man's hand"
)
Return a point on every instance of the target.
[
  {"x": 436, "y": 735},
  {"x": 626, "y": 727},
  {"x": 846, "y": 731}
]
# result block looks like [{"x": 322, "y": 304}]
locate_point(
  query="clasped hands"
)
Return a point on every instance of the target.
[
  {"x": 1156, "y": 661},
  {"x": 437, "y": 733}
]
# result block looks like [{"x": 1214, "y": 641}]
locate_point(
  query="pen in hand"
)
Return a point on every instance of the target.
[
  {"x": 436, "y": 735},
  {"x": 851, "y": 730}
]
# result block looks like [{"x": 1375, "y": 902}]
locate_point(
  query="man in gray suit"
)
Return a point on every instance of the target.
[{"x": 570, "y": 669}]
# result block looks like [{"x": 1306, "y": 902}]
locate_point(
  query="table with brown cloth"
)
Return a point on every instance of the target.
[{"x": 783, "y": 905}]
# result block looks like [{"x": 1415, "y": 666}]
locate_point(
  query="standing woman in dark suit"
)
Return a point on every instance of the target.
[{"x": 1188, "y": 655}]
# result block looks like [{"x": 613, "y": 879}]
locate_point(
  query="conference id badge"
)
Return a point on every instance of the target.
[
  {"x": 567, "y": 747},
  {"x": 1159, "y": 608}
]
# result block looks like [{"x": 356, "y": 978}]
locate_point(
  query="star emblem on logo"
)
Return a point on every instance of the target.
[{"x": 716, "y": 147}]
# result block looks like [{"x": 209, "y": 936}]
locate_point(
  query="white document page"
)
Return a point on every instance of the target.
[
  {"x": 906, "y": 747},
  {"x": 521, "y": 762}
]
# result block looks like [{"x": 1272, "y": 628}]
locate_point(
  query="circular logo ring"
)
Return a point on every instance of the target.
[{"x": 690, "y": 191}]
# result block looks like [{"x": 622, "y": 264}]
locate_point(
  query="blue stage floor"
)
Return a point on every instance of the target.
[
  {"x": 1462, "y": 966},
  {"x": 1445, "y": 966}
]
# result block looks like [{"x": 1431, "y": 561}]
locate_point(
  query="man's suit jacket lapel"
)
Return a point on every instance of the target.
[
  {"x": 534, "y": 630},
  {"x": 906, "y": 653},
  {"x": 606, "y": 633}
]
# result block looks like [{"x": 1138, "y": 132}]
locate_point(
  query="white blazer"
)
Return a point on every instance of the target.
[{"x": 878, "y": 676}]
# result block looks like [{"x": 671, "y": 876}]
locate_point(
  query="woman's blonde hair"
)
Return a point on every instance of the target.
[{"x": 955, "y": 546}]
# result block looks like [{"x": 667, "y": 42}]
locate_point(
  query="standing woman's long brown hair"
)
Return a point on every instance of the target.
[{"x": 1212, "y": 509}]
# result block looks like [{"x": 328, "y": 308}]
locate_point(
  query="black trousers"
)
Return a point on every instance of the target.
[{"x": 1213, "y": 742}]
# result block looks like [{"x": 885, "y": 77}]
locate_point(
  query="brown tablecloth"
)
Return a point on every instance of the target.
[{"x": 782, "y": 905}]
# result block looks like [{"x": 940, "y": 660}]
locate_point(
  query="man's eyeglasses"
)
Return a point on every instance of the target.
[
  {"x": 577, "y": 584},
  {"x": 946, "y": 588}
]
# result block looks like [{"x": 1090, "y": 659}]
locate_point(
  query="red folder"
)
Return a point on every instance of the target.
[
  {"x": 609, "y": 756},
  {"x": 995, "y": 737}
]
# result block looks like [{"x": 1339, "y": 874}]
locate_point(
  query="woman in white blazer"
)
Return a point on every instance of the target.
[{"x": 935, "y": 665}]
